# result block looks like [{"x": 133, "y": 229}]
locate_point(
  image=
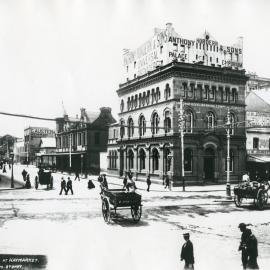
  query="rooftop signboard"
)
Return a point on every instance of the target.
[{"x": 167, "y": 45}]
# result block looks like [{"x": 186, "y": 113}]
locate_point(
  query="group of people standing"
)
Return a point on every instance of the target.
[
  {"x": 248, "y": 247},
  {"x": 128, "y": 182},
  {"x": 3, "y": 165},
  {"x": 66, "y": 186}
]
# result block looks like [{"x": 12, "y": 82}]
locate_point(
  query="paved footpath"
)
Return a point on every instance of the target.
[{"x": 155, "y": 190}]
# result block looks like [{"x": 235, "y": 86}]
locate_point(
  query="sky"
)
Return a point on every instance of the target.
[{"x": 67, "y": 52}]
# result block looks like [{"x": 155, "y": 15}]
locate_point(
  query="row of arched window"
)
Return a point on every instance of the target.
[
  {"x": 145, "y": 98},
  {"x": 142, "y": 125},
  {"x": 211, "y": 122},
  {"x": 208, "y": 92}
]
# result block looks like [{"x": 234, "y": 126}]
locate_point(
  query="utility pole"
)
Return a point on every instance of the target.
[
  {"x": 181, "y": 126},
  {"x": 228, "y": 130},
  {"x": 70, "y": 151}
]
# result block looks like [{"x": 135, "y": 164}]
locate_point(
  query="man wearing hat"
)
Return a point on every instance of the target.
[
  {"x": 243, "y": 243},
  {"x": 69, "y": 186},
  {"x": 187, "y": 253}
]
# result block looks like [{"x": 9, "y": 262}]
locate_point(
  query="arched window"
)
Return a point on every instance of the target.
[
  {"x": 148, "y": 97},
  {"x": 210, "y": 120},
  {"x": 130, "y": 127},
  {"x": 157, "y": 94},
  {"x": 155, "y": 122},
  {"x": 136, "y": 101},
  {"x": 232, "y": 121},
  {"x": 143, "y": 98},
  {"x": 153, "y": 96},
  {"x": 167, "y": 122},
  {"x": 142, "y": 125},
  {"x": 191, "y": 90},
  {"x": 122, "y": 128},
  {"x": 128, "y": 104},
  {"x": 188, "y": 160},
  {"x": 155, "y": 159},
  {"x": 142, "y": 159},
  {"x": 226, "y": 94},
  {"x": 130, "y": 159},
  {"x": 122, "y": 105},
  {"x": 167, "y": 91},
  {"x": 234, "y": 95},
  {"x": 188, "y": 121},
  {"x": 231, "y": 161}
]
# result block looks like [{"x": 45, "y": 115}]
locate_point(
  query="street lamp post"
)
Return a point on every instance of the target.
[
  {"x": 228, "y": 130},
  {"x": 81, "y": 163},
  {"x": 181, "y": 126},
  {"x": 12, "y": 176}
]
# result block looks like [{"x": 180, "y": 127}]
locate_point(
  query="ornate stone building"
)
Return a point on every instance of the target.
[{"x": 147, "y": 140}]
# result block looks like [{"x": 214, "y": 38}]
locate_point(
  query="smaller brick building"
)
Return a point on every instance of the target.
[{"x": 80, "y": 140}]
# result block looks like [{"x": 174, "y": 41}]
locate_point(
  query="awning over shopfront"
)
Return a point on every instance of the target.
[{"x": 258, "y": 159}]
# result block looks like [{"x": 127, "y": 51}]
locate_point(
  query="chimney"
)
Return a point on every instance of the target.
[{"x": 105, "y": 110}]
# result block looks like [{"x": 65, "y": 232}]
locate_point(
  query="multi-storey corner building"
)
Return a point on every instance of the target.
[
  {"x": 148, "y": 137},
  {"x": 80, "y": 140}
]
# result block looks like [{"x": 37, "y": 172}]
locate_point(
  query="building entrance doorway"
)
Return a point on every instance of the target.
[{"x": 209, "y": 164}]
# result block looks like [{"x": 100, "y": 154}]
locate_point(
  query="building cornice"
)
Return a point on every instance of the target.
[{"x": 185, "y": 70}]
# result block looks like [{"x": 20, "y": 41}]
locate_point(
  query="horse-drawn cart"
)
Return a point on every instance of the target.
[
  {"x": 258, "y": 192},
  {"x": 44, "y": 177},
  {"x": 113, "y": 199}
]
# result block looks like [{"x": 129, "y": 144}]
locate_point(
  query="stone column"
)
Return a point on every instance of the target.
[
  {"x": 161, "y": 162},
  {"x": 135, "y": 167},
  {"x": 125, "y": 159},
  {"x": 147, "y": 159}
]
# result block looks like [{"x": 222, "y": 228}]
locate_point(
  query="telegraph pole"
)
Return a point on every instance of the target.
[
  {"x": 70, "y": 151},
  {"x": 181, "y": 126},
  {"x": 228, "y": 129}
]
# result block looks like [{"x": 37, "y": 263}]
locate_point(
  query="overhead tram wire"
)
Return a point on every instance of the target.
[{"x": 121, "y": 125}]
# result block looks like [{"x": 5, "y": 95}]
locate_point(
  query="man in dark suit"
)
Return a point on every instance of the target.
[
  {"x": 63, "y": 186},
  {"x": 69, "y": 186},
  {"x": 243, "y": 244},
  {"x": 187, "y": 253}
]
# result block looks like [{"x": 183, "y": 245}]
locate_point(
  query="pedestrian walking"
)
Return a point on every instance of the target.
[
  {"x": 63, "y": 186},
  {"x": 243, "y": 243},
  {"x": 187, "y": 253},
  {"x": 27, "y": 183},
  {"x": 148, "y": 182},
  {"x": 77, "y": 175},
  {"x": 252, "y": 251},
  {"x": 104, "y": 182},
  {"x": 4, "y": 169},
  {"x": 69, "y": 186},
  {"x": 167, "y": 181},
  {"x": 24, "y": 173},
  {"x": 125, "y": 182}
]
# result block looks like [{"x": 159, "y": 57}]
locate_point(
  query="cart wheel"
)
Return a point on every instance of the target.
[
  {"x": 261, "y": 199},
  {"x": 51, "y": 183},
  {"x": 36, "y": 183},
  {"x": 136, "y": 212},
  {"x": 238, "y": 200},
  {"x": 106, "y": 210}
]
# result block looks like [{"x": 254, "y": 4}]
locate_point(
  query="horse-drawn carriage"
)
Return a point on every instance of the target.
[
  {"x": 256, "y": 191},
  {"x": 44, "y": 177},
  {"x": 113, "y": 199}
]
